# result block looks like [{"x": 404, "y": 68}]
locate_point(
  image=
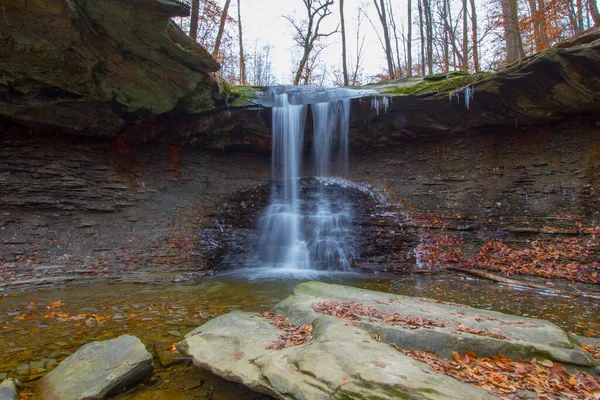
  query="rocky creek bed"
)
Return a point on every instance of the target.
[{"x": 42, "y": 328}]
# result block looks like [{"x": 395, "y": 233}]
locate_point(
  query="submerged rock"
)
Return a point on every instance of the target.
[
  {"x": 98, "y": 369},
  {"x": 352, "y": 358},
  {"x": 8, "y": 390}
]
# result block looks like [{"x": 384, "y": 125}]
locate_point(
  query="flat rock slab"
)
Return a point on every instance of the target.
[
  {"x": 465, "y": 328},
  {"x": 352, "y": 358},
  {"x": 340, "y": 362},
  {"x": 98, "y": 369}
]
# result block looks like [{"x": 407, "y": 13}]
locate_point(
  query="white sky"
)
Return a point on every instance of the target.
[{"x": 263, "y": 23}]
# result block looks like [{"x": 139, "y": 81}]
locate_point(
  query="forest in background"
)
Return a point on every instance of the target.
[{"x": 417, "y": 37}]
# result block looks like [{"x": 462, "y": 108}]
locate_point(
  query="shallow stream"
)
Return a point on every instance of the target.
[{"x": 41, "y": 328}]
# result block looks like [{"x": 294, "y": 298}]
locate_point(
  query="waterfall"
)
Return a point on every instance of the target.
[
  {"x": 305, "y": 227},
  {"x": 281, "y": 244}
]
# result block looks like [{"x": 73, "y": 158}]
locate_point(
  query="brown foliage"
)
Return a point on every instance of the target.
[
  {"x": 352, "y": 312},
  {"x": 575, "y": 258},
  {"x": 502, "y": 375},
  {"x": 293, "y": 335}
]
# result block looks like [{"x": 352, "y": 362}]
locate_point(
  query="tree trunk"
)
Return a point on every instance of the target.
[
  {"x": 535, "y": 20},
  {"x": 541, "y": 7},
  {"x": 409, "y": 41},
  {"x": 420, "y": 8},
  {"x": 381, "y": 12},
  {"x": 512, "y": 33},
  {"x": 242, "y": 56},
  {"x": 215, "y": 52},
  {"x": 465, "y": 38},
  {"x": 344, "y": 56},
  {"x": 429, "y": 32},
  {"x": 446, "y": 36},
  {"x": 194, "y": 19},
  {"x": 594, "y": 11},
  {"x": 573, "y": 17},
  {"x": 474, "y": 35},
  {"x": 580, "y": 16},
  {"x": 398, "y": 68},
  {"x": 301, "y": 66}
]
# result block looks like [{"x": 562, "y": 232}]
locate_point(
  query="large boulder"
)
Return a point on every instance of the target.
[
  {"x": 98, "y": 369},
  {"x": 351, "y": 351},
  {"x": 95, "y": 66},
  {"x": 341, "y": 361}
]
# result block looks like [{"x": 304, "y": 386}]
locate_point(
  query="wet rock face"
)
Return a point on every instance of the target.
[
  {"x": 239, "y": 227},
  {"x": 98, "y": 369},
  {"x": 81, "y": 211},
  {"x": 93, "y": 67}
]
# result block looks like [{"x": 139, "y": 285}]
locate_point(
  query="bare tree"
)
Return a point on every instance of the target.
[
  {"x": 307, "y": 31},
  {"x": 392, "y": 19},
  {"x": 221, "y": 29},
  {"x": 429, "y": 33},
  {"x": 344, "y": 56},
  {"x": 261, "y": 73},
  {"x": 360, "y": 48},
  {"x": 409, "y": 40},
  {"x": 194, "y": 19},
  {"x": 465, "y": 41},
  {"x": 512, "y": 33},
  {"x": 474, "y": 28},
  {"x": 421, "y": 28},
  {"x": 382, "y": 14},
  {"x": 242, "y": 56}
]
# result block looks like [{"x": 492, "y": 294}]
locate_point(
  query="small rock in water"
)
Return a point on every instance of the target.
[
  {"x": 8, "y": 389},
  {"x": 167, "y": 355},
  {"x": 16, "y": 350},
  {"x": 98, "y": 369}
]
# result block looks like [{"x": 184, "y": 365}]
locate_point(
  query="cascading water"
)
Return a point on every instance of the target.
[
  {"x": 282, "y": 245},
  {"x": 307, "y": 227}
]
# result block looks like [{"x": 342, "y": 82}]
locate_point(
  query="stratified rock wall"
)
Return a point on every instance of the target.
[{"x": 80, "y": 210}]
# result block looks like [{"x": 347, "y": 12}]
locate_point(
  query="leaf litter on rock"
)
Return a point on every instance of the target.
[
  {"x": 502, "y": 375},
  {"x": 352, "y": 311},
  {"x": 293, "y": 335}
]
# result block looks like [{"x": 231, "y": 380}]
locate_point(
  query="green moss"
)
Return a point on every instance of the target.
[
  {"x": 198, "y": 101},
  {"x": 452, "y": 81},
  {"x": 240, "y": 96}
]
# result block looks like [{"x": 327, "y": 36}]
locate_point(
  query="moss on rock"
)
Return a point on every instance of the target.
[
  {"x": 240, "y": 96},
  {"x": 440, "y": 83}
]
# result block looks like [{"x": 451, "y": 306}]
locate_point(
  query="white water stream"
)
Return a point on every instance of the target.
[{"x": 304, "y": 230}]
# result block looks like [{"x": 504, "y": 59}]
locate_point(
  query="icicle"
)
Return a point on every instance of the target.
[
  {"x": 467, "y": 92},
  {"x": 379, "y": 102}
]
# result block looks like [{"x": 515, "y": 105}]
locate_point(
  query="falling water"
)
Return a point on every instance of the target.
[
  {"x": 282, "y": 245},
  {"x": 307, "y": 227}
]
